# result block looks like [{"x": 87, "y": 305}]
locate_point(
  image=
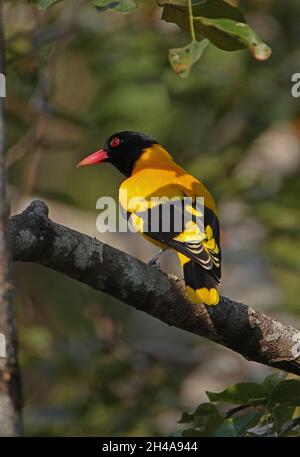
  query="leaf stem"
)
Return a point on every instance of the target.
[
  {"x": 191, "y": 20},
  {"x": 233, "y": 411}
]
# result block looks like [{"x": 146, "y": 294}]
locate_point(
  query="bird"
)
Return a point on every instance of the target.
[{"x": 151, "y": 174}]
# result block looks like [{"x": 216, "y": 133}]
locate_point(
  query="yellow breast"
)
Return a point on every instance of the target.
[{"x": 157, "y": 175}]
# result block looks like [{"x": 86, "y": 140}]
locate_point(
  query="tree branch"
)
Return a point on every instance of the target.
[
  {"x": 10, "y": 392},
  {"x": 35, "y": 238}
]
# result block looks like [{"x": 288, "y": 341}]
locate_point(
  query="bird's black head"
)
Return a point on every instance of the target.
[{"x": 122, "y": 149}]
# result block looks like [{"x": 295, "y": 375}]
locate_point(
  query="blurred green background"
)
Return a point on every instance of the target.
[{"x": 91, "y": 365}]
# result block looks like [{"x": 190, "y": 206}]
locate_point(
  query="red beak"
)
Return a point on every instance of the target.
[{"x": 94, "y": 158}]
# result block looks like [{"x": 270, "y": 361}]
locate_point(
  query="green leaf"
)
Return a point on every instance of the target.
[
  {"x": 282, "y": 413},
  {"x": 183, "y": 3},
  {"x": 123, "y": 6},
  {"x": 242, "y": 423},
  {"x": 182, "y": 59},
  {"x": 44, "y": 4},
  {"x": 207, "y": 8},
  {"x": 287, "y": 391},
  {"x": 271, "y": 381},
  {"x": 242, "y": 33},
  {"x": 223, "y": 24},
  {"x": 238, "y": 426},
  {"x": 226, "y": 429},
  {"x": 186, "y": 418},
  {"x": 206, "y": 419},
  {"x": 244, "y": 393},
  {"x": 172, "y": 2},
  {"x": 203, "y": 410}
]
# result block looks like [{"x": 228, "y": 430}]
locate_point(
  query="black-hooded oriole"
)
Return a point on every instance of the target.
[{"x": 150, "y": 171}]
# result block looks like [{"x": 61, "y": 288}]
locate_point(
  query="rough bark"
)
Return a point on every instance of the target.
[
  {"x": 10, "y": 403},
  {"x": 35, "y": 238}
]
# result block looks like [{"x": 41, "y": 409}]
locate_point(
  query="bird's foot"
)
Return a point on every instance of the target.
[
  {"x": 155, "y": 265},
  {"x": 153, "y": 262}
]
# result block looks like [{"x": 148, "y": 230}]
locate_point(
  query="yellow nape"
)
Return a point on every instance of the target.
[
  {"x": 155, "y": 156},
  {"x": 209, "y": 297}
]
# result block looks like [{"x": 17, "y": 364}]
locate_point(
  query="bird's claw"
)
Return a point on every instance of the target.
[
  {"x": 153, "y": 261},
  {"x": 154, "y": 264}
]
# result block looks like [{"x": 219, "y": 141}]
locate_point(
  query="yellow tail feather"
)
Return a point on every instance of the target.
[{"x": 209, "y": 297}]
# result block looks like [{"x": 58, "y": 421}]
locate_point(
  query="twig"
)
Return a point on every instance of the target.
[{"x": 191, "y": 20}]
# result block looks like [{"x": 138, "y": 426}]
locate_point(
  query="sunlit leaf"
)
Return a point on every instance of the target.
[
  {"x": 182, "y": 59},
  {"x": 207, "y": 8},
  {"x": 223, "y": 24},
  {"x": 44, "y": 4},
  {"x": 123, "y": 6},
  {"x": 245, "y": 393},
  {"x": 226, "y": 429},
  {"x": 242, "y": 33}
]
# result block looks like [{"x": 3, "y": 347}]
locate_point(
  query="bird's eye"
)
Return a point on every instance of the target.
[{"x": 115, "y": 142}]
